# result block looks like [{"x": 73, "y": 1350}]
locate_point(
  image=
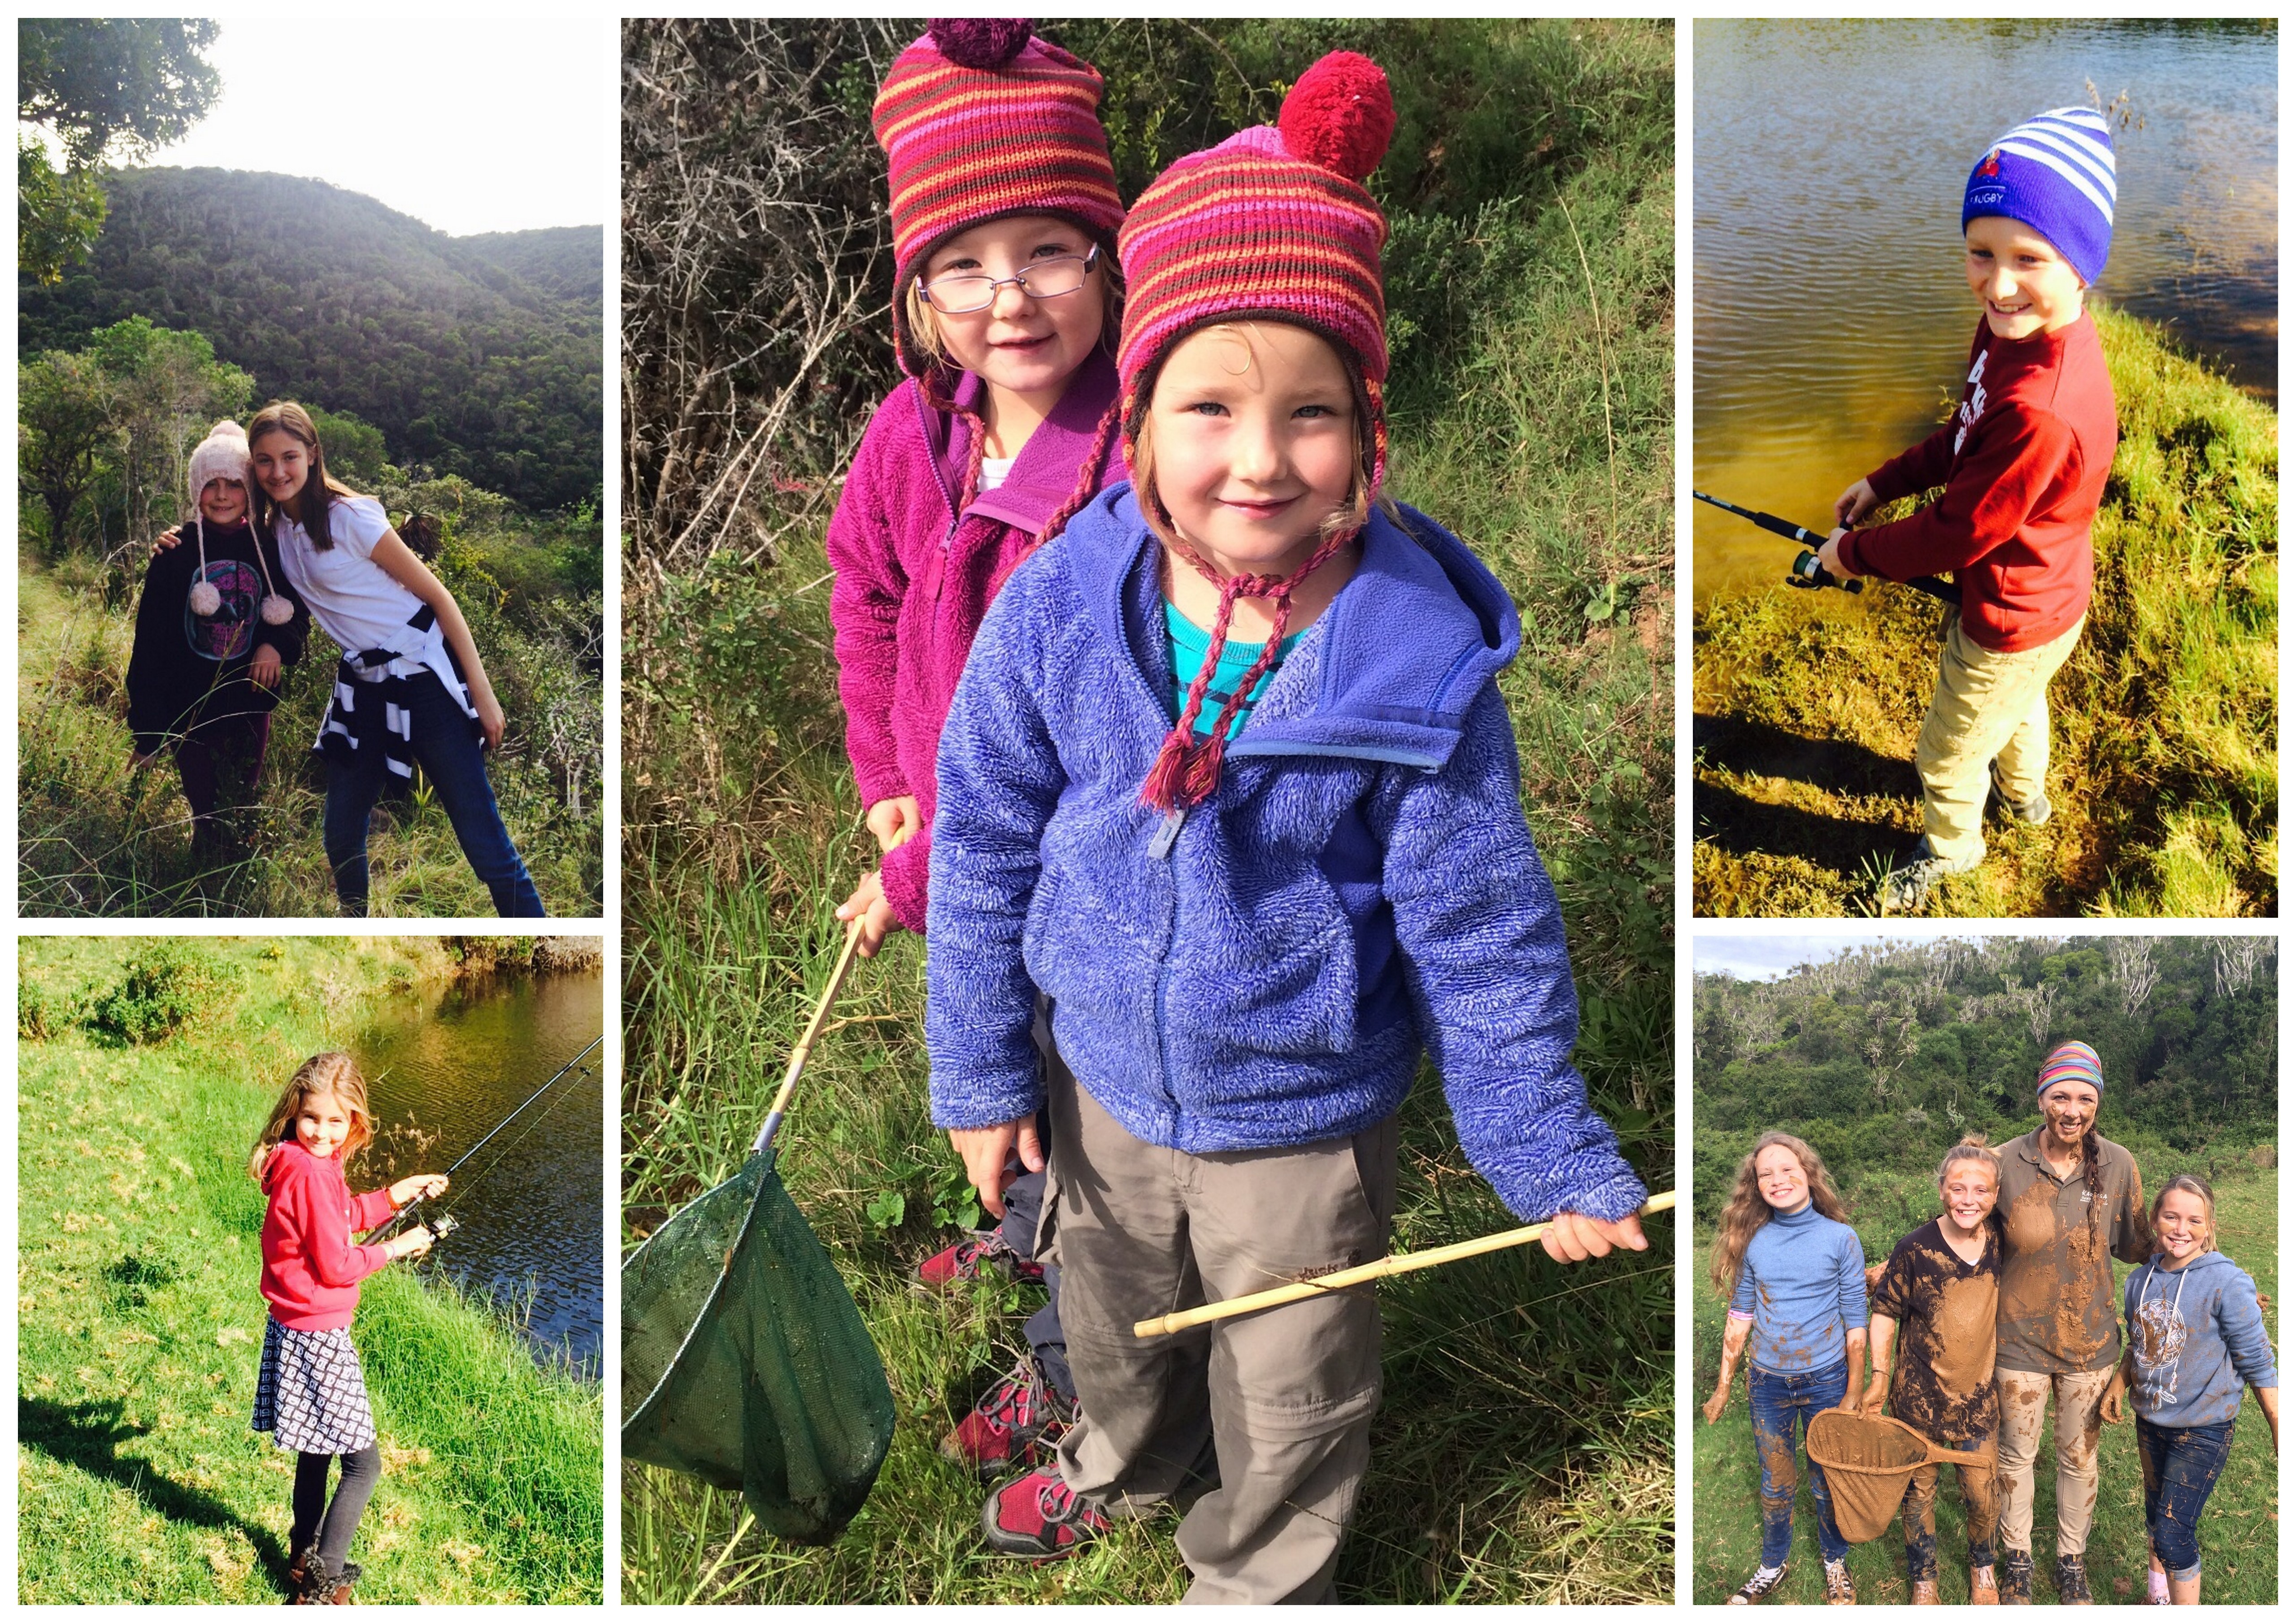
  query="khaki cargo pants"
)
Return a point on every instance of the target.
[
  {"x": 2024, "y": 1400},
  {"x": 1284, "y": 1397},
  {"x": 1990, "y": 709}
]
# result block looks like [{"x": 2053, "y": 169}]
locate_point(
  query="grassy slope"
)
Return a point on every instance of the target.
[
  {"x": 1525, "y": 1448},
  {"x": 139, "y": 1327},
  {"x": 96, "y": 840},
  {"x": 2239, "y": 1532},
  {"x": 2165, "y": 748}
]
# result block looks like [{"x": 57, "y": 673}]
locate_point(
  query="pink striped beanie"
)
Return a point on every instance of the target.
[
  {"x": 2071, "y": 1062},
  {"x": 980, "y": 120}
]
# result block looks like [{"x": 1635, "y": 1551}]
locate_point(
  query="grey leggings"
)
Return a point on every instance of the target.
[{"x": 332, "y": 1524}]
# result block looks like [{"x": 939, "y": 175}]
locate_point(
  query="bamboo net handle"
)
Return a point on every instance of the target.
[
  {"x": 804, "y": 1049},
  {"x": 1405, "y": 1262}
]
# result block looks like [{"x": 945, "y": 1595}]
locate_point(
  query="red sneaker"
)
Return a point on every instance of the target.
[
  {"x": 1037, "y": 1515},
  {"x": 970, "y": 1257},
  {"x": 1019, "y": 1416}
]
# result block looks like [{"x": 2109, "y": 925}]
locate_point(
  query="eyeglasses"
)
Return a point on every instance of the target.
[{"x": 1039, "y": 279}]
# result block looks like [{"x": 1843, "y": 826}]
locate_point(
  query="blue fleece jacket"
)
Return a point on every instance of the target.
[
  {"x": 2198, "y": 1338},
  {"x": 1803, "y": 1283},
  {"x": 1362, "y": 883}
]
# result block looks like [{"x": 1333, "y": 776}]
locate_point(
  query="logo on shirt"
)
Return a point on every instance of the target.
[
  {"x": 228, "y": 632},
  {"x": 1972, "y": 402},
  {"x": 2160, "y": 1337},
  {"x": 1992, "y": 164}
]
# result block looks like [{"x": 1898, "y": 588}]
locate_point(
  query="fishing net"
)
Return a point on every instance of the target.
[
  {"x": 1866, "y": 1460},
  {"x": 745, "y": 1362}
]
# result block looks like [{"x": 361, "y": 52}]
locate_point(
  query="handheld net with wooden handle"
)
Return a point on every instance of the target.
[
  {"x": 1171, "y": 1324},
  {"x": 798, "y": 1055}
]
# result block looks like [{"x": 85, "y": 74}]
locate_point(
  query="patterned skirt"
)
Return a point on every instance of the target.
[{"x": 311, "y": 1394}]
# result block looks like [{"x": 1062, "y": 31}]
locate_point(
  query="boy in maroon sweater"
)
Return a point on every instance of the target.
[{"x": 2023, "y": 463}]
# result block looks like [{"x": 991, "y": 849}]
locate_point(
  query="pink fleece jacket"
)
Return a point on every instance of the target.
[{"x": 914, "y": 577}]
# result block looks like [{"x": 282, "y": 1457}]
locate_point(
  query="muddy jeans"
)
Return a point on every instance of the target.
[
  {"x": 2024, "y": 1400},
  {"x": 1285, "y": 1397},
  {"x": 1918, "y": 1516},
  {"x": 1989, "y": 708},
  {"x": 2181, "y": 1466},
  {"x": 1777, "y": 1402}
]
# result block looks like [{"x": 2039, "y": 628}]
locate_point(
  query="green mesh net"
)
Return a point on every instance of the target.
[{"x": 745, "y": 1362}]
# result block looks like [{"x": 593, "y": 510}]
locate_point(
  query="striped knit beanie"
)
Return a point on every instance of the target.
[
  {"x": 2054, "y": 173},
  {"x": 2071, "y": 1062},
  {"x": 1274, "y": 225},
  {"x": 980, "y": 120}
]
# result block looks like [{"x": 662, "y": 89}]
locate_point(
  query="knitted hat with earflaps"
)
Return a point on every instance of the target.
[
  {"x": 223, "y": 454},
  {"x": 980, "y": 120},
  {"x": 1273, "y": 224}
]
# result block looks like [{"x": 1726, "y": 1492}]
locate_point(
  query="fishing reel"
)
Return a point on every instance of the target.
[
  {"x": 1810, "y": 576},
  {"x": 441, "y": 1226}
]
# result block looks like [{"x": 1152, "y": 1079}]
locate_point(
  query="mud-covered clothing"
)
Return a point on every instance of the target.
[
  {"x": 2059, "y": 1240},
  {"x": 1803, "y": 1285},
  {"x": 1943, "y": 1383},
  {"x": 187, "y": 673},
  {"x": 2198, "y": 1338},
  {"x": 1980, "y": 1505},
  {"x": 2025, "y": 1401},
  {"x": 2023, "y": 463},
  {"x": 2181, "y": 1464},
  {"x": 1781, "y": 1406}
]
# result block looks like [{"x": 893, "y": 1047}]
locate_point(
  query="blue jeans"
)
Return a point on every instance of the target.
[
  {"x": 2181, "y": 1465},
  {"x": 457, "y": 770},
  {"x": 1778, "y": 1402}
]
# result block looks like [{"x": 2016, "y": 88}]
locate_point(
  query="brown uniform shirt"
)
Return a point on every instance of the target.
[
  {"x": 2058, "y": 1244},
  {"x": 1944, "y": 1309}
]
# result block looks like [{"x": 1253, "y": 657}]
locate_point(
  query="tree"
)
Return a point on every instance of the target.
[
  {"x": 63, "y": 416},
  {"x": 104, "y": 89},
  {"x": 165, "y": 389}
]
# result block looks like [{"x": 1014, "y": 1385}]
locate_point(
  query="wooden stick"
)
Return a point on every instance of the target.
[
  {"x": 1403, "y": 1262},
  {"x": 804, "y": 1049}
]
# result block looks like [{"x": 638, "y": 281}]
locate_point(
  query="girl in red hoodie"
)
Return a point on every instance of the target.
[{"x": 311, "y": 1394}]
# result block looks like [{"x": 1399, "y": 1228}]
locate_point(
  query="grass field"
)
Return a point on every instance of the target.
[
  {"x": 97, "y": 839},
  {"x": 2239, "y": 1532},
  {"x": 139, "y": 1327},
  {"x": 2164, "y": 743}
]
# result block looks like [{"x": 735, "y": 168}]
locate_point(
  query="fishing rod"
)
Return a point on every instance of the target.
[
  {"x": 446, "y": 1223},
  {"x": 1807, "y": 573}
]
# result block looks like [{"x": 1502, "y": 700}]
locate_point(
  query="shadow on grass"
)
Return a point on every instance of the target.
[
  {"x": 1735, "y": 744},
  {"x": 87, "y": 1438},
  {"x": 1743, "y": 827}
]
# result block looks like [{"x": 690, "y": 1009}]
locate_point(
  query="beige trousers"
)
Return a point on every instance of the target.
[
  {"x": 1285, "y": 1398},
  {"x": 2024, "y": 1401},
  {"x": 1990, "y": 709}
]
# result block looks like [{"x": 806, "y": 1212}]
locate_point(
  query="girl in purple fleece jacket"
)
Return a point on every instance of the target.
[
  {"x": 1005, "y": 215},
  {"x": 1229, "y": 784}
]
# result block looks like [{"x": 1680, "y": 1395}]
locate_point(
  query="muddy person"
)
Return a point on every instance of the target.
[
  {"x": 1791, "y": 1267},
  {"x": 2023, "y": 463},
  {"x": 2195, "y": 1335},
  {"x": 1228, "y": 780},
  {"x": 1934, "y": 1304},
  {"x": 2071, "y": 1202},
  {"x": 1005, "y": 319}
]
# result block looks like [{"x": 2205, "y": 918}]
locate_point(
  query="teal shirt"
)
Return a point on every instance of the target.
[{"x": 1190, "y": 644}]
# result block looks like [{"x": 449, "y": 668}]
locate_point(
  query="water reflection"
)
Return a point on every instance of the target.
[
  {"x": 1831, "y": 319},
  {"x": 531, "y": 1202}
]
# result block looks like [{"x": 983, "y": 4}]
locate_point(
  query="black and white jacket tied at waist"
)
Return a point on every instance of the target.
[{"x": 371, "y": 711}]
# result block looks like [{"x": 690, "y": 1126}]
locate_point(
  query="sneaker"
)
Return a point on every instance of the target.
[
  {"x": 2017, "y": 1578},
  {"x": 1019, "y": 1416},
  {"x": 1982, "y": 1590},
  {"x": 1925, "y": 1592},
  {"x": 1839, "y": 1589},
  {"x": 2072, "y": 1582},
  {"x": 2035, "y": 811},
  {"x": 1039, "y": 1515},
  {"x": 1908, "y": 886},
  {"x": 1765, "y": 1579},
  {"x": 977, "y": 1252}
]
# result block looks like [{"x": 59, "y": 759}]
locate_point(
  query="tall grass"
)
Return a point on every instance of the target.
[
  {"x": 2165, "y": 748},
  {"x": 2239, "y": 1531},
  {"x": 140, "y": 1326}
]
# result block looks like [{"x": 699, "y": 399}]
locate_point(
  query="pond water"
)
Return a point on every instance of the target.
[
  {"x": 531, "y": 1203},
  {"x": 1831, "y": 319}
]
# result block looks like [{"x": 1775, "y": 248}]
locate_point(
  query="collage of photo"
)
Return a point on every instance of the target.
[{"x": 1089, "y": 829}]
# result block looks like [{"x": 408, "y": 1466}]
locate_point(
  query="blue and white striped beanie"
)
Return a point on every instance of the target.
[{"x": 2054, "y": 173}]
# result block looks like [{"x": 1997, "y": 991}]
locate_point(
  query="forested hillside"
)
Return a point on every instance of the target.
[
  {"x": 480, "y": 358},
  {"x": 1882, "y": 1057}
]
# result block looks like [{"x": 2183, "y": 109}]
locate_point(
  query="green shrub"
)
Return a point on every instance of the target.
[{"x": 165, "y": 988}]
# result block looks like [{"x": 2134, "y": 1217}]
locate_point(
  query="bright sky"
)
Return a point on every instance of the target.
[
  {"x": 469, "y": 124},
  {"x": 1767, "y": 957}
]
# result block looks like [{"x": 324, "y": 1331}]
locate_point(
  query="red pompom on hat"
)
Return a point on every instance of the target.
[
  {"x": 1340, "y": 114},
  {"x": 979, "y": 42}
]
